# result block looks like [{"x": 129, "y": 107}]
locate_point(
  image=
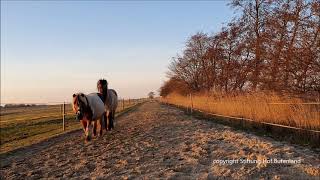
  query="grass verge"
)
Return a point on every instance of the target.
[{"x": 30, "y": 129}]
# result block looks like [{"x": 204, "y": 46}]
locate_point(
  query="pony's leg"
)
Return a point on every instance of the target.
[
  {"x": 88, "y": 134},
  {"x": 94, "y": 128},
  {"x": 100, "y": 130},
  {"x": 109, "y": 116},
  {"x": 84, "y": 125},
  {"x": 114, "y": 117},
  {"x": 105, "y": 118},
  {"x": 111, "y": 120}
]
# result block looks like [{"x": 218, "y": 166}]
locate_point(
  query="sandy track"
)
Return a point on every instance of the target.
[{"x": 157, "y": 141}]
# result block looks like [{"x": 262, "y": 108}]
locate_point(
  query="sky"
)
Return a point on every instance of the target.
[{"x": 52, "y": 49}]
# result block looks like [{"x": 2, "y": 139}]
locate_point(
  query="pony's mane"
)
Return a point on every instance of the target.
[
  {"x": 76, "y": 98},
  {"x": 86, "y": 107},
  {"x": 104, "y": 84}
]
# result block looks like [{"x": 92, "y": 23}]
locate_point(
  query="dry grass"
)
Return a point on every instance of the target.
[{"x": 262, "y": 107}]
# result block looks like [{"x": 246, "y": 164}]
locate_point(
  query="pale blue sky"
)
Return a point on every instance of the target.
[{"x": 52, "y": 49}]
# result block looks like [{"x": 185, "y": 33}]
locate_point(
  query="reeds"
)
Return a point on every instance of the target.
[{"x": 262, "y": 107}]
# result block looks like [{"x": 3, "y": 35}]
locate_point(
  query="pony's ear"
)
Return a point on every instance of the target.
[
  {"x": 82, "y": 95},
  {"x": 74, "y": 95}
]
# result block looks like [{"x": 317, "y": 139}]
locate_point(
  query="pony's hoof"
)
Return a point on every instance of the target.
[
  {"x": 86, "y": 141},
  {"x": 95, "y": 136},
  {"x": 88, "y": 138}
]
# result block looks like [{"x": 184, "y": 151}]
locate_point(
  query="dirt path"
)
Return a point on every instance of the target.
[{"x": 157, "y": 141}]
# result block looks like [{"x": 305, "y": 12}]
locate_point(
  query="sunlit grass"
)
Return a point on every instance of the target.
[
  {"x": 262, "y": 107},
  {"x": 22, "y": 126}
]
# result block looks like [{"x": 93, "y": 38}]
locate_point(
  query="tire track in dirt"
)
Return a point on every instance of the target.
[{"x": 158, "y": 141}]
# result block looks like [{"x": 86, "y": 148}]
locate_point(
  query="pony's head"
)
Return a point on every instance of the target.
[
  {"x": 102, "y": 85},
  {"x": 80, "y": 106}
]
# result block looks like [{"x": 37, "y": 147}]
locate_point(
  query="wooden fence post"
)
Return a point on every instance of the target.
[
  {"x": 61, "y": 108},
  {"x": 122, "y": 103},
  {"x": 192, "y": 102},
  {"x": 63, "y": 116},
  {"x": 191, "y": 105}
]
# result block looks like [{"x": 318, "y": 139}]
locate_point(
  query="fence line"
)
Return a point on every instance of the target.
[
  {"x": 191, "y": 108},
  {"x": 251, "y": 120},
  {"x": 62, "y": 107},
  {"x": 310, "y": 103},
  {"x": 63, "y": 116},
  {"x": 123, "y": 107},
  {"x": 309, "y": 135}
]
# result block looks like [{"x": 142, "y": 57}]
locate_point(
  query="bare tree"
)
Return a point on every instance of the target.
[
  {"x": 151, "y": 95},
  {"x": 273, "y": 45}
]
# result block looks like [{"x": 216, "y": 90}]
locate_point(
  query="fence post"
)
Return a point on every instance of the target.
[
  {"x": 63, "y": 116},
  {"x": 192, "y": 102},
  {"x": 191, "y": 106},
  {"x": 61, "y": 108},
  {"x": 122, "y": 103}
]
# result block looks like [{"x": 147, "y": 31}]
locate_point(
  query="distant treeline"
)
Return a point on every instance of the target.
[
  {"x": 17, "y": 105},
  {"x": 273, "y": 45}
]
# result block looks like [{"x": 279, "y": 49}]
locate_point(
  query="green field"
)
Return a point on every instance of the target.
[{"x": 23, "y": 126}]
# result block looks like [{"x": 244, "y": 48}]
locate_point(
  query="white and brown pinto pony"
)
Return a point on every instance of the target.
[{"x": 89, "y": 109}]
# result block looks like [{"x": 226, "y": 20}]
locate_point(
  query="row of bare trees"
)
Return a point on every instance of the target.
[{"x": 272, "y": 45}]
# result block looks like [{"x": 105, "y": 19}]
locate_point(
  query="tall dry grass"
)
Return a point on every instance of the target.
[{"x": 262, "y": 107}]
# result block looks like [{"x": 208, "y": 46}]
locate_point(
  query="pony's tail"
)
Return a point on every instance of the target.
[{"x": 105, "y": 92}]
